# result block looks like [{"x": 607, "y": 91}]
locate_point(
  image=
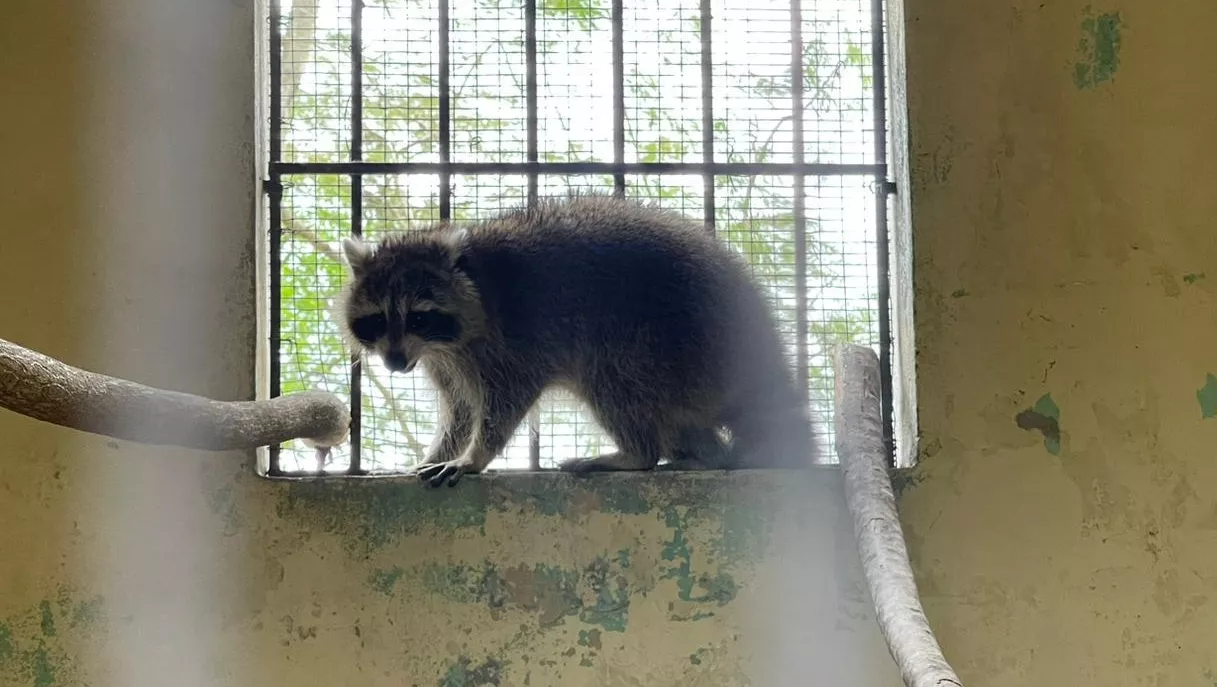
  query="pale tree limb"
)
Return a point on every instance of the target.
[
  {"x": 868, "y": 493},
  {"x": 46, "y": 389}
]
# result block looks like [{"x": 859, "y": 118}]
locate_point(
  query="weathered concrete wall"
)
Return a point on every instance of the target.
[
  {"x": 126, "y": 197},
  {"x": 1064, "y": 516}
]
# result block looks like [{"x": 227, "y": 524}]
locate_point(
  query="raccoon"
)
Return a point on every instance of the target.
[{"x": 639, "y": 312}]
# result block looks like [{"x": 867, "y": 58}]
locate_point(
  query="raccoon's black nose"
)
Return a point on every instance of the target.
[{"x": 396, "y": 362}]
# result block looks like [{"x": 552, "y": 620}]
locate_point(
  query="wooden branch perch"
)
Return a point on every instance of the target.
[
  {"x": 868, "y": 493},
  {"x": 46, "y": 389}
]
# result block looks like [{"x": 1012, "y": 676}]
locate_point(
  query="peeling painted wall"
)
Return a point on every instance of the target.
[
  {"x": 1064, "y": 515},
  {"x": 126, "y": 194}
]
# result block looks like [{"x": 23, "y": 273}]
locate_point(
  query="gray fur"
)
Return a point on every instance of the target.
[{"x": 638, "y": 311}]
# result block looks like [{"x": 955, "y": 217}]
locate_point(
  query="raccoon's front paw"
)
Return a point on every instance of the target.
[{"x": 449, "y": 471}]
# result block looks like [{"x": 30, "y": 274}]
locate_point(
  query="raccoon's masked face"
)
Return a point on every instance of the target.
[{"x": 404, "y": 303}]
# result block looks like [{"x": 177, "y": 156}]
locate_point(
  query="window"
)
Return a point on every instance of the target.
[{"x": 387, "y": 115}]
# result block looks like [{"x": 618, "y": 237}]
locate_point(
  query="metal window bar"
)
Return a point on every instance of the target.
[
  {"x": 709, "y": 168},
  {"x": 883, "y": 188},
  {"x": 800, "y": 191},
  {"x": 355, "y": 467},
  {"x": 530, "y": 86},
  {"x": 445, "y": 116},
  {"x": 619, "y": 94},
  {"x": 274, "y": 188},
  {"x": 707, "y": 112}
]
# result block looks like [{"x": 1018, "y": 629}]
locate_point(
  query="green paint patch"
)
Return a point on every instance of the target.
[
  {"x": 1098, "y": 49},
  {"x": 383, "y": 581},
  {"x": 718, "y": 589},
  {"x": 959, "y": 293},
  {"x": 597, "y": 595},
  {"x": 611, "y": 606},
  {"x": 737, "y": 513},
  {"x": 1044, "y": 417},
  {"x": 42, "y": 668},
  {"x": 568, "y": 496},
  {"x": 6, "y": 644},
  {"x": 79, "y": 613},
  {"x": 540, "y": 494},
  {"x": 745, "y": 533},
  {"x": 699, "y": 656},
  {"x": 87, "y": 613},
  {"x": 1207, "y": 396},
  {"x": 623, "y": 558},
  {"x": 733, "y": 519},
  {"x": 1192, "y": 277},
  {"x": 622, "y": 497},
  {"x": 462, "y": 673},
  {"x": 550, "y": 591},
  {"x": 370, "y": 514},
  {"x": 48, "y": 619},
  {"x": 590, "y": 638},
  {"x": 32, "y": 650},
  {"x": 223, "y": 503},
  {"x": 678, "y": 547},
  {"x": 464, "y": 584}
]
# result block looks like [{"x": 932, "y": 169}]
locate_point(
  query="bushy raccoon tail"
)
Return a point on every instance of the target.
[
  {"x": 768, "y": 428},
  {"x": 774, "y": 436}
]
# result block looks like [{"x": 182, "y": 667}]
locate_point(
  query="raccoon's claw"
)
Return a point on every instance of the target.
[{"x": 435, "y": 474}]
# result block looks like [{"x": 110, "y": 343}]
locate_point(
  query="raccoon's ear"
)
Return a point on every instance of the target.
[
  {"x": 357, "y": 254},
  {"x": 456, "y": 248}
]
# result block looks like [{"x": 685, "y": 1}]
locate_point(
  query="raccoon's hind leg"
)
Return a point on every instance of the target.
[
  {"x": 633, "y": 428},
  {"x": 699, "y": 448},
  {"x": 608, "y": 462}
]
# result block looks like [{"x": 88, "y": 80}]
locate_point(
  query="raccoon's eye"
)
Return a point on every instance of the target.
[
  {"x": 369, "y": 328},
  {"x": 433, "y": 325},
  {"x": 425, "y": 294}
]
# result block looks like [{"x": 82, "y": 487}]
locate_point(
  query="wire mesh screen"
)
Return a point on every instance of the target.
[
  {"x": 314, "y": 83},
  {"x": 764, "y": 119},
  {"x": 399, "y": 76}
]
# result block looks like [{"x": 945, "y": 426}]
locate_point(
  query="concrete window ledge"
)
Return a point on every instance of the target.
[{"x": 664, "y": 577}]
